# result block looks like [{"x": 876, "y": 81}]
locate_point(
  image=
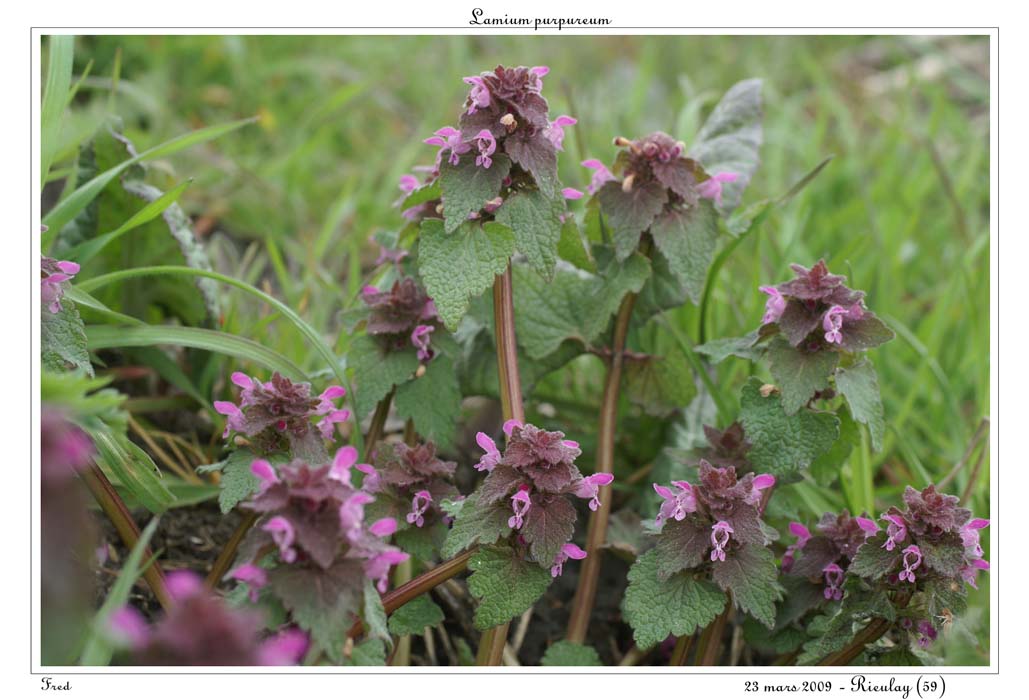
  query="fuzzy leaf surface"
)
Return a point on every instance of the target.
[
  {"x": 798, "y": 373},
  {"x": 376, "y": 371},
  {"x": 859, "y": 384},
  {"x": 505, "y": 585},
  {"x": 415, "y": 616},
  {"x": 535, "y": 220},
  {"x": 687, "y": 238},
  {"x": 752, "y": 577},
  {"x": 466, "y": 187},
  {"x": 565, "y": 653},
  {"x": 432, "y": 401}
]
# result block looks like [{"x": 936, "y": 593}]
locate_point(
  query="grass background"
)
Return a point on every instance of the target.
[{"x": 902, "y": 209}]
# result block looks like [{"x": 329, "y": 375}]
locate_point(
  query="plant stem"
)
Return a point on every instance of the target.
[
  {"x": 491, "y": 645},
  {"x": 376, "y": 427},
  {"x": 228, "y": 553},
  {"x": 871, "y": 632},
  {"x": 681, "y": 651},
  {"x": 711, "y": 637},
  {"x": 422, "y": 583},
  {"x": 596, "y": 534},
  {"x": 114, "y": 508},
  {"x": 402, "y": 654}
]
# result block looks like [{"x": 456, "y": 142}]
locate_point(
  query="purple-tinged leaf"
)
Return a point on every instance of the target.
[
  {"x": 630, "y": 213},
  {"x": 752, "y": 577},
  {"x": 549, "y": 525}
]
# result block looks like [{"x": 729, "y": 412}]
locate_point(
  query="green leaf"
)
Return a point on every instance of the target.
[
  {"x": 374, "y": 614},
  {"x": 798, "y": 373},
  {"x": 873, "y": 560},
  {"x": 730, "y": 139},
  {"x": 783, "y": 444},
  {"x": 62, "y": 339},
  {"x": 573, "y": 248},
  {"x": 238, "y": 483},
  {"x": 100, "y": 337},
  {"x": 860, "y": 386},
  {"x": 420, "y": 542},
  {"x": 415, "y": 616},
  {"x": 370, "y": 652},
  {"x": 536, "y": 222},
  {"x": 742, "y": 347},
  {"x": 679, "y": 605},
  {"x": 432, "y": 401},
  {"x": 132, "y": 468},
  {"x": 56, "y": 93},
  {"x": 461, "y": 265},
  {"x": 778, "y": 641},
  {"x": 467, "y": 187},
  {"x": 662, "y": 382},
  {"x": 826, "y": 468},
  {"x": 573, "y": 306},
  {"x": 687, "y": 238},
  {"x": 565, "y": 653},
  {"x": 71, "y": 205},
  {"x": 630, "y": 213},
  {"x": 505, "y": 584},
  {"x": 98, "y": 648},
  {"x": 377, "y": 371},
  {"x": 323, "y": 603},
  {"x": 483, "y": 524},
  {"x": 750, "y": 574},
  {"x": 423, "y": 194}
]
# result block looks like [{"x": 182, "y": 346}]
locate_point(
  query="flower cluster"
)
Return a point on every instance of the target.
[
  {"x": 417, "y": 477},
  {"x": 816, "y": 310},
  {"x": 932, "y": 537},
  {"x": 713, "y": 518},
  {"x": 200, "y": 630},
  {"x": 402, "y": 317},
  {"x": 315, "y": 518},
  {"x": 54, "y": 274},
  {"x": 276, "y": 415},
  {"x": 827, "y": 555},
  {"x": 535, "y": 475}
]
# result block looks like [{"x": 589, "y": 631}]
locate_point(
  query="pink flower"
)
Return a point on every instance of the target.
[
  {"x": 351, "y": 512},
  {"x": 556, "y": 132},
  {"x": 720, "y": 533},
  {"x": 345, "y": 458},
  {"x": 371, "y": 480},
  {"x": 479, "y": 96},
  {"x": 775, "y": 305},
  {"x": 896, "y": 531},
  {"x": 832, "y": 322},
  {"x": 520, "y": 504},
  {"x": 487, "y": 145},
  {"x": 378, "y": 567},
  {"x": 54, "y": 274},
  {"x": 449, "y": 137},
  {"x": 912, "y": 559},
  {"x": 676, "y": 503},
  {"x": 419, "y": 504},
  {"x": 539, "y": 71},
  {"x": 601, "y": 175},
  {"x": 254, "y": 576},
  {"x": 129, "y": 628},
  {"x": 183, "y": 584},
  {"x": 760, "y": 483},
  {"x": 510, "y": 425},
  {"x": 571, "y": 193},
  {"x": 590, "y": 487},
  {"x": 972, "y": 569},
  {"x": 383, "y": 527},
  {"x": 712, "y": 187},
  {"x": 868, "y": 525},
  {"x": 420, "y": 339},
  {"x": 408, "y": 183},
  {"x": 492, "y": 456},
  {"x": 803, "y": 535},
  {"x": 283, "y": 534},
  {"x": 286, "y": 648},
  {"x": 970, "y": 535},
  {"x": 833, "y": 580},
  {"x": 568, "y": 551},
  {"x": 265, "y": 473}
]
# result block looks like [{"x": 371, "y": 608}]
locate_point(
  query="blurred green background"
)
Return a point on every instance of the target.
[{"x": 903, "y": 208}]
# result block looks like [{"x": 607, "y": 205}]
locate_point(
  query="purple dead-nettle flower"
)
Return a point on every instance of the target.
[
  {"x": 199, "y": 629},
  {"x": 276, "y": 415},
  {"x": 254, "y": 576},
  {"x": 571, "y": 193},
  {"x": 492, "y": 455},
  {"x": 420, "y": 339},
  {"x": 802, "y": 534},
  {"x": 54, "y": 274},
  {"x": 478, "y": 97},
  {"x": 568, "y": 551},
  {"x": 926, "y": 634},
  {"x": 601, "y": 175},
  {"x": 520, "y": 505},
  {"x": 970, "y": 535},
  {"x": 868, "y": 526},
  {"x": 419, "y": 504},
  {"x": 775, "y": 305},
  {"x": 590, "y": 487},
  {"x": 712, "y": 187},
  {"x": 408, "y": 183},
  {"x": 556, "y": 132},
  {"x": 971, "y": 570},
  {"x": 390, "y": 255},
  {"x": 720, "y": 534},
  {"x": 449, "y": 138},
  {"x": 64, "y": 448},
  {"x": 759, "y": 484},
  {"x": 833, "y": 582},
  {"x": 283, "y": 535},
  {"x": 493, "y": 204},
  {"x": 676, "y": 503},
  {"x": 831, "y": 324},
  {"x": 487, "y": 146},
  {"x": 896, "y": 531},
  {"x": 912, "y": 560}
]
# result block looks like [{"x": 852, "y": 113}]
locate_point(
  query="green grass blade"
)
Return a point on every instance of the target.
[
  {"x": 83, "y": 252},
  {"x": 98, "y": 651},
  {"x": 71, "y": 205},
  {"x": 55, "y": 98},
  {"x": 100, "y": 337}
]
